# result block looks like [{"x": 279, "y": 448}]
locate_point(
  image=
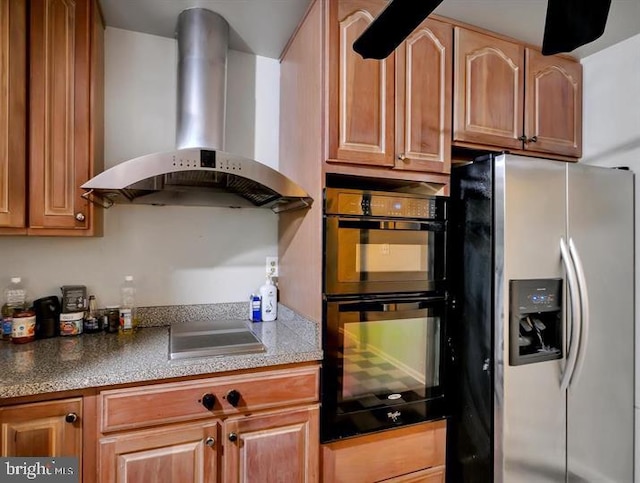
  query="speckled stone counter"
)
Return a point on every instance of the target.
[{"x": 95, "y": 360}]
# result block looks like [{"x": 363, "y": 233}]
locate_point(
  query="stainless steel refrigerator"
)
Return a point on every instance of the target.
[{"x": 542, "y": 338}]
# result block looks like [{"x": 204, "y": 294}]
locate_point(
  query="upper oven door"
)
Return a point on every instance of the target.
[{"x": 367, "y": 255}]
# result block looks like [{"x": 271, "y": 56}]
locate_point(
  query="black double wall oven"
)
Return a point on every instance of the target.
[{"x": 385, "y": 310}]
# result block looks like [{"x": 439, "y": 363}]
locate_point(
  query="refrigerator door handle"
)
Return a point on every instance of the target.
[
  {"x": 574, "y": 294},
  {"x": 584, "y": 310}
]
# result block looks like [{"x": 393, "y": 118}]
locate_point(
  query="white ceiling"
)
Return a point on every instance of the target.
[{"x": 262, "y": 27}]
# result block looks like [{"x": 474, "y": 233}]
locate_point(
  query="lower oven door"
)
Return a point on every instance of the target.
[{"x": 384, "y": 364}]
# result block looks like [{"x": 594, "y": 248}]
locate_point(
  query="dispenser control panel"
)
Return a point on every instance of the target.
[{"x": 537, "y": 295}]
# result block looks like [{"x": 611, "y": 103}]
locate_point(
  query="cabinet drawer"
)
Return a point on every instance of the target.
[
  {"x": 385, "y": 455},
  {"x": 431, "y": 475},
  {"x": 182, "y": 401}
]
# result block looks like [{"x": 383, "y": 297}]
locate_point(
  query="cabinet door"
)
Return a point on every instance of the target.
[
  {"x": 361, "y": 93},
  {"x": 488, "y": 90},
  {"x": 42, "y": 429},
  {"x": 423, "y": 111},
  {"x": 182, "y": 453},
  {"x": 60, "y": 120},
  {"x": 273, "y": 447},
  {"x": 553, "y": 104},
  {"x": 13, "y": 120}
]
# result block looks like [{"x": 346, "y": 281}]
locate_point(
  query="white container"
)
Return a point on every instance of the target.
[{"x": 269, "y": 305}]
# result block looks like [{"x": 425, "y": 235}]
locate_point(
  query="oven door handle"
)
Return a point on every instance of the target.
[
  {"x": 400, "y": 225},
  {"x": 401, "y": 307},
  {"x": 363, "y": 224}
]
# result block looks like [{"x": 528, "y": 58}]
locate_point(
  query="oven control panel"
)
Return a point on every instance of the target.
[{"x": 359, "y": 203}]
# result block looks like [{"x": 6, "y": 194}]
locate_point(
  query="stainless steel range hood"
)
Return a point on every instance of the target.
[{"x": 198, "y": 172}]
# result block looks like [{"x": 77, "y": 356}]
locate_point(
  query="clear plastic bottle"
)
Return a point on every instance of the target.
[
  {"x": 15, "y": 298},
  {"x": 127, "y": 306}
]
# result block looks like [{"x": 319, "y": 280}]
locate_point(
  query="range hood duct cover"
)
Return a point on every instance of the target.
[
  {"x": 202, "y": 79},
  {"x": 198, "y": 172}
]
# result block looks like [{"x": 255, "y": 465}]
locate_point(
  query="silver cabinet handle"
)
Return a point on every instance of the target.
[
  {"x": 584, "y": 310},
  {"x": 575, "y": 316},
  {"x": 402, "y": 157},
  {"x": 210, "y": 442},
  {"x": 533, "y": 139},
  {"x": 80, "y": 216}
]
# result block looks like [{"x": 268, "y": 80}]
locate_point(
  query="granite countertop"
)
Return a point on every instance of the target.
[{"x": 96, "y": 360}]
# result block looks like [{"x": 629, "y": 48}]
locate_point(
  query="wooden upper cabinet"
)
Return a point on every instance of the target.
[
  {"x": 13, "y": 72},
  {"x": 60, "y": 92},
  {"x": 423, "y": 106},
  {"x": 394, "y": 112},
  {"x": 42, "y": 429},
  {"x": 509, "y": 96},
  {"x": 361, "y": 90},
  {"x": 489, "y": 89},
  {"x": 553, "y": 104},
  {"x": 58, "y": 48}
]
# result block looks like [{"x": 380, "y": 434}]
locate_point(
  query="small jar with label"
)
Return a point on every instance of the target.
[
  {"x": 71, "y": 324},
  {"x": 113, "y": 318},
  {"x": 23, "y": 326}
]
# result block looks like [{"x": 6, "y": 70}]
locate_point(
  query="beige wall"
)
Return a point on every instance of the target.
[
  {"x": 611, "y": 132},
  {"x": 178, "y": 255}
]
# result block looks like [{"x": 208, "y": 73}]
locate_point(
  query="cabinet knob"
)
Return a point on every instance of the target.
[
  {"x": 233, "y": 437},
  {"x": 210, "y": 442},
  {"x": 233, "y": 397},
  {"x": 71, "y": 418},
  {"x": 208, "y": 401},
  {"x": 533, "y": 139},
  {"x": 80, "y": 216},
  {"x": 402, "y": 157},
  {"x": 523, "y": 138}
]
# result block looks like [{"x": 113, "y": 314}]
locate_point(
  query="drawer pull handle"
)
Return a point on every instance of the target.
[
  {"x": 208, "y": 401},
  {"x": 210, "y": 442},
  {"x": 233, "y": 397},
  {"x": 233, "y": 437},
  {"x": 71, "y": 418}
]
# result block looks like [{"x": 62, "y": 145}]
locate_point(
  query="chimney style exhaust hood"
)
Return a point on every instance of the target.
[{"x": 198, "y": 172}]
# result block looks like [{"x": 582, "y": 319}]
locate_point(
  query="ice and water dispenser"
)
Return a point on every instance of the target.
[{"x": 535, "y": 321}]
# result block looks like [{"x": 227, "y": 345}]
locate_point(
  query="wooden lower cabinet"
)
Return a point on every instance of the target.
[
  {"x": 265, "y": 447},
  {"x": 413, "y": 453},
  {"x": 51, "y": 428},
  {"x": 179, "y": 453},
  {"x": 268, "y": 432},
  {"x": 272, "y": 448}
]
